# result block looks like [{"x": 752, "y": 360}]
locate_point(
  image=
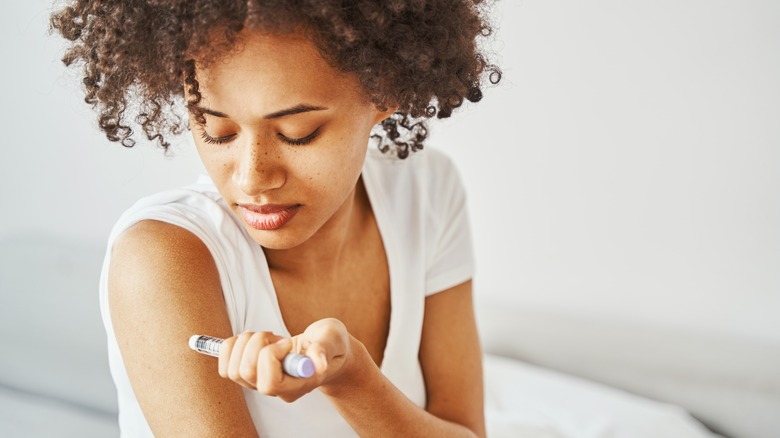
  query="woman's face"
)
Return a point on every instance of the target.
[{"x": 285, "y": 136}]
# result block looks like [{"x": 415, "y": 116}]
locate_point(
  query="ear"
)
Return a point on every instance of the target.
[{"x": 383, "y": 114}]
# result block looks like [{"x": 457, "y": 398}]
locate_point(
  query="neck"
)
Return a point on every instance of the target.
[{"x": 322, "y": 254}]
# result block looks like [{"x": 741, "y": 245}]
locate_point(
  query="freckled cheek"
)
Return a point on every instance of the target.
[
  {"x": 315, "y": 175},
  {"x": 219, "y": 167},
  {"x": 329, "y": 176}
]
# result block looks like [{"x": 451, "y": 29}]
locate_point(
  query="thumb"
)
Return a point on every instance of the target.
[{"x": 319, "y": 355}]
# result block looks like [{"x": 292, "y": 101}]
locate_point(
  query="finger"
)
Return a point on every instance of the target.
[
  {"x": 236, "y": 354},
  {"x": 270, "y": 377},
  {"x": 319, "y": 355},
  {"x": 330, "y": 333},
  {"x": 248, "y": 367},
  {"x": 299, "y": 344},
  {"x": 224, "y": 356},
  {"x": 330, "y": 345}
]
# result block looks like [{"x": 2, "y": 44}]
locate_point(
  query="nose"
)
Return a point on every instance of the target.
[{"x": 258, "y": 169}]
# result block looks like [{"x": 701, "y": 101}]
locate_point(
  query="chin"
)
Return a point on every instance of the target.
[{"x": 277, "y": 239}]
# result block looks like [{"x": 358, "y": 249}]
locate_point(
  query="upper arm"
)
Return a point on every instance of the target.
[
  {"x": 163, "y": 287},
  {"x": 451, "y": 358}
]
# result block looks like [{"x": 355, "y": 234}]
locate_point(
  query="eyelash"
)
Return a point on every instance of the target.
[
  {"x": 292, "y": 141},
  {"x": 300, "y": 141},
  {"x": 212, "y": 140}
]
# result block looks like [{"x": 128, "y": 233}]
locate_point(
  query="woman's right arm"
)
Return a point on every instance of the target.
[{"x": 164, "y": 287}]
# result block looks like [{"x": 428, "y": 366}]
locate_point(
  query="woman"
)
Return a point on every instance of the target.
[{"x": 301, "y": 240}]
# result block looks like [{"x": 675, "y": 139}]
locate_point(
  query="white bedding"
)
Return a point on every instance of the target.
[{"x": 525, "y": 401}]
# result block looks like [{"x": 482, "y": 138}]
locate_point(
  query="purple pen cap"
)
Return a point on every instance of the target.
[{"x": 298, "y": 365}]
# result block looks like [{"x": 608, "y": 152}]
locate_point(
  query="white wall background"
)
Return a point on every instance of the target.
[
  {"x": 627, "y": 167},
  {"x": 62, "y": 176}
]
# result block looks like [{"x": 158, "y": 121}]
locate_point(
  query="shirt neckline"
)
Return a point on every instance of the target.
[{"x": 374, "y": 193}]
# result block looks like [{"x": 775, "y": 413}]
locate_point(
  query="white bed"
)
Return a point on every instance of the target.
[
  {"x": 54, "y": 380},
  {"x": 524, "y": 400}
]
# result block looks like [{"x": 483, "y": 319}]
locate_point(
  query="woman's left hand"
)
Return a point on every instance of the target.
[{"x": 254, "y": 359}]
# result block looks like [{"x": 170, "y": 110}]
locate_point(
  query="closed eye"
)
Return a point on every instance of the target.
[
  {"x": 300, "y": 141},
  {"x": 215, "y": 140}
]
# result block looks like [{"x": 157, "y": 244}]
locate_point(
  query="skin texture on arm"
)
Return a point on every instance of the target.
[
  {"x": 164, "y": 287},
  {"x": 451, "y": 359}
]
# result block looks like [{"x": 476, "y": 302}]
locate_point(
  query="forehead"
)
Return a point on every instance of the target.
[{"x": 263, "y": 72}]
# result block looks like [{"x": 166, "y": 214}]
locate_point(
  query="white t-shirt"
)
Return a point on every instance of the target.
[{"x": 420, "y": 209}]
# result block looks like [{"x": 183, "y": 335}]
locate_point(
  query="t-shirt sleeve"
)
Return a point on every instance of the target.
[{"x": 450, "y": 253}]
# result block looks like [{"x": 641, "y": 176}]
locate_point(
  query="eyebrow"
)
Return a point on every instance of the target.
[{"x": 297, "y": 109}]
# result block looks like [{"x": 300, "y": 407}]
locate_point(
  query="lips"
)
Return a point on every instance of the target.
[{"x": 268, "y": 216}]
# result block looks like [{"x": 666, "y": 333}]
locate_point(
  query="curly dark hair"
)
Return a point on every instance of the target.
[{"x": 421, "y": 56}]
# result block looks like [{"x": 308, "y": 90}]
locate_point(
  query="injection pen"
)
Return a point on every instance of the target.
[{"x": 295, "y": 365}]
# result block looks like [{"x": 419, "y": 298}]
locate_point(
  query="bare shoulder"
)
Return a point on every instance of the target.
[
  {"x": 163, "y": 287},
  {"x": 160, "y": 249},
  {"x": 158, "y": 266}
]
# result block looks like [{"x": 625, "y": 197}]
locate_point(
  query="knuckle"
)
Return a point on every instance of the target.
[
  {"x": 247, "y": 372},
  {"x": 266, "y": 355},
  {"x": 262, "y": 337},
  {"x": 266, "y": 389},
  {"x": 234, "y": 374}
]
